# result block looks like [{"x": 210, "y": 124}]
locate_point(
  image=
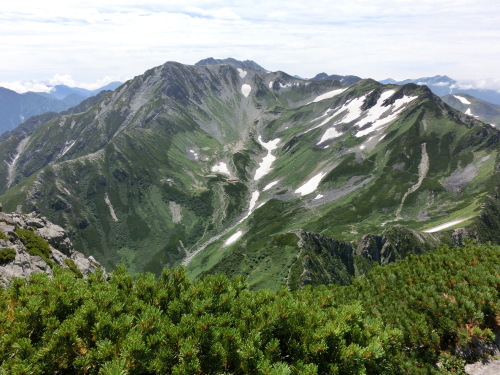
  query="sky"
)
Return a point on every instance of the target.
[{"x": 89, "y": 43}]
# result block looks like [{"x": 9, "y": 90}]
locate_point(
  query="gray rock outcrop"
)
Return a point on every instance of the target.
[{"x": 22, "y": 263}]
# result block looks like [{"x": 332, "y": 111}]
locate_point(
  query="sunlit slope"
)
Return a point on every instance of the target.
[
  {"x": 368, "y": 159},
  {"x": 141, "y": 178},
  {"x": 228, "y": 169}
]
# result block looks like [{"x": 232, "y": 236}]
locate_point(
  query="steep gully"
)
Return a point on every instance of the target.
[
  {"x": 263, "y": 169},
  {"x": 423, "y": 168}
]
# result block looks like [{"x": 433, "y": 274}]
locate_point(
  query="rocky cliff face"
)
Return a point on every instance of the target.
[
  {"x": 30, "y": 243},
  {"x": 395, "y": 244}
]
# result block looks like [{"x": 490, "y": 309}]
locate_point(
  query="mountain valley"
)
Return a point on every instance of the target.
[{"x": 232, "y": 169}]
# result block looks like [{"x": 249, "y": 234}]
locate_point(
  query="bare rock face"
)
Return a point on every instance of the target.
[
  {"x": 19, "y": 259},
  {"x": 486, "y": 367}
]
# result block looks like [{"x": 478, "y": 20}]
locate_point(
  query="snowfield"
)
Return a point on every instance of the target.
[
  {"x": 233, "y": 238},
  {"x": 245, "y": 90},
  {"x": 242, "y": 72},
  {"x": 398, "y": 106},
  {"x": 353, "y": 109},
  {"x": 378, "y": 110},
  {"x": 311, "y": 185},
  {"x": 328, "y": 95},
  {"x": 376, "y": 117},
  {"x": 469, "y": 113},
  {"x": 270, "y": 185},
  {"x": 329, "y": 134},
  {"x": 445, "y": 225},
  {"x": 221, "y": 168},
  {"x": 253, "y": 201},
  {"x": 267, "y": 161},
  {"x": 462, "y": 99}
]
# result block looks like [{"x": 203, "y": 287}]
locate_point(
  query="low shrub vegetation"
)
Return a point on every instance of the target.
[
  {"x": 6, "y": 255},
  {"x": 35, "y": 245},
  {"x": 400, "y": 319}
]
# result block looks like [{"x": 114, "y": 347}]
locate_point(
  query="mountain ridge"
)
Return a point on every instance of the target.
[
  {"x": 231, "y": 61},
  {"x": 15, "y": 108},
  {"x": 488, "y": 113},
  {"x": 443, "y": 85},
  {"x": 218, "y": 162}
]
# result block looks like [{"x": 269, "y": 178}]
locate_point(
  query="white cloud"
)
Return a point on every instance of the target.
[
  {"x": 223, "y": 13},
  {"x": 58, "y": 79},
  {"x": 92, "y": 39},
  {"x": 62, "y": 79},
  {"x": 25, "y": 86},
  {"x": 479, "y": 84}
]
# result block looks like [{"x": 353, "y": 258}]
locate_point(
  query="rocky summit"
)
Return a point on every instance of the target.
[
  {"x": 30, "y": 243},
  {"x": 226, "y": 167}
]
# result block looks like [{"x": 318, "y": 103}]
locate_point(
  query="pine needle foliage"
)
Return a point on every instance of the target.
[
  {"x": 7, "y": 254},
  {"x": 399, "y": 319}
]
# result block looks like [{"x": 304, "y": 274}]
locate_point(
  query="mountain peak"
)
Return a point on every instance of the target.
[
  {"x": 231, "y": 61},
  {"x": 348, "y": 80}
]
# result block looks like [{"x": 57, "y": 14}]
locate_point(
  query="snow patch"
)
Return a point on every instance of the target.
[
  {"x": 328, "y": 95},
  {"x": 329, "y": 134},
  {"x": 221, "y": 168},
  {"x": 353, "y": 108},
  {"x": 271, "y": 84},
  {"x": 195, "y": 154},
  {"x": 242, "y": 72},
  {"x": 396, "y": 109},
  {"x": 445, "y": 225},
  {"x": 378, "y": 110},
  {"x": 233, "y": 238},
  {"x": 365, "y": 143},
  {"x": 319, "y": 196},
  {"x": 110, "y": 206},
  {"x": 67, "y": 147},
  {"x": 251, "y": 205},
  {"x": 462, "y": 99},
  {"x": 311, "y": 185},
  {"x": 245, "y": 90},
  {"x": 270, "y": 185},
  {"x": 253, "y": 201},
  {"x": 469, "y": 113},
  {"x": 267, "y": 161}
]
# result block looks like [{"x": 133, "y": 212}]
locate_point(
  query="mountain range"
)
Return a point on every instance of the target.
[
  {"x": 486, "y": 112},
  {"x": 16, "y": 108},
  {"x": 228, "y": 168},
  {"x": 444, "y": 85}
]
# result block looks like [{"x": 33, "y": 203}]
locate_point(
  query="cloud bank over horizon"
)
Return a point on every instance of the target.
[
  {"x": 47, "y": 85},
  {"x": 86, "y": 41}
]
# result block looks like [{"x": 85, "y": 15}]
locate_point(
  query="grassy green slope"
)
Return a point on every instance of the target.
[
  {"x": 487, "y": 112},
  {"x": 364, "y": 190},
  {"x": 132, "y": 176}
]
